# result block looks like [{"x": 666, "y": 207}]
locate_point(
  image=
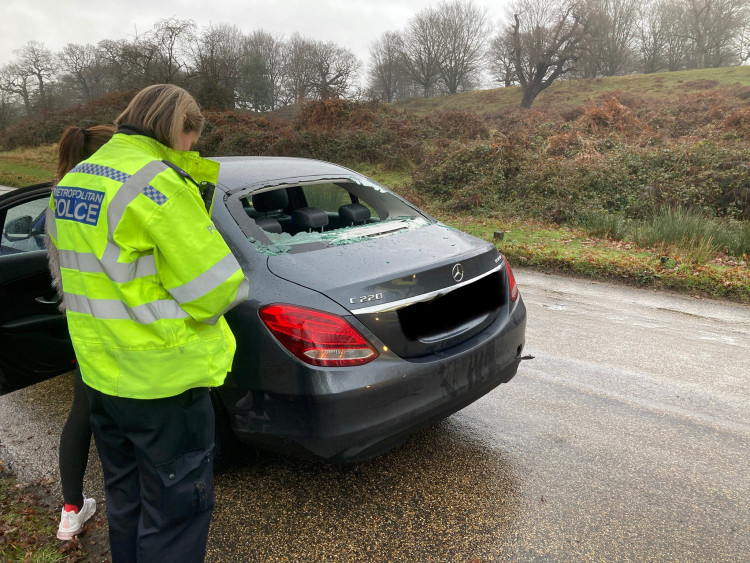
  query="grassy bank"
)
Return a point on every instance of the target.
[
  {"x": 28, "y": 525},
  {"x": 573, "y": 251},
  {"x": 26, "y": 166},
  {"x": 666, "y": 86}
]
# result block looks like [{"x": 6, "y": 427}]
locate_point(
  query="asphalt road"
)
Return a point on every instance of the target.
[{"x": 627, "y": 438}]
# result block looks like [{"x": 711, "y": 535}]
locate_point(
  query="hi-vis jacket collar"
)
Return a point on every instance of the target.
[{"x": 199, "y": 168}]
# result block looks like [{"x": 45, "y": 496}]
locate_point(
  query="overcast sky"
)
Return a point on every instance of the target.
[{"x": 353, "y": 24}]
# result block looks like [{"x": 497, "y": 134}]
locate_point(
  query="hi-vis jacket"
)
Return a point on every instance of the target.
[{"x": 146, "y": 276}]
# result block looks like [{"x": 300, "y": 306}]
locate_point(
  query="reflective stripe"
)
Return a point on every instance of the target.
[
  {"x": 109, "y": 263},
  {"x": 242, "y": 293},
  {"x": 50, "y": 224},
  {"x": 207, "y": 281},
  {"x": 115, "y": 309},
  {"x": 116, "y": 271},
  {"x": 133, "y": 186}
]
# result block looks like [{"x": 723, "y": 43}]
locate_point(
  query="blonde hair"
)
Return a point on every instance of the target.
[
  {"x": 163, "y": 111},
  {"x": 79, "y": 143}
]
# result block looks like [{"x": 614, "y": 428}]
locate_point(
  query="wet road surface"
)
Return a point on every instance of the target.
[{"x": 627, "y": 438}]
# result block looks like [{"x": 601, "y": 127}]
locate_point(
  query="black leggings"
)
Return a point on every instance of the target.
[{"x": 75, "y": 442}]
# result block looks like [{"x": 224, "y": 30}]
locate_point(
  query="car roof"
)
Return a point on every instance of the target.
[{"x": 241, "y": 171}]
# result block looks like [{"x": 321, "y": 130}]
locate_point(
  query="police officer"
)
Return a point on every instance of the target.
[{"x": 146, "y": 279}]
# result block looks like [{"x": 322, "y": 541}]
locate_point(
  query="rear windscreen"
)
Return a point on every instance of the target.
[{"x": 309, "y": 216}]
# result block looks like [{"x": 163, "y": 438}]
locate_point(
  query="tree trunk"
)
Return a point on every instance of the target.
[{"x": 530, "y": 92}]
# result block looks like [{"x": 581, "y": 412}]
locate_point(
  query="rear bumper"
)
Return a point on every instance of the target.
[{"x": 352, "y": 415}]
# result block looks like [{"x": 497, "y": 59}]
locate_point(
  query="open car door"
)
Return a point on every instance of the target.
[{"x": 34, "y": 340}]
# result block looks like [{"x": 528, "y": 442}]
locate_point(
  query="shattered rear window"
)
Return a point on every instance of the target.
[
  {"x": 325, "y": 213},
  {"x": 284, "y": 242}
]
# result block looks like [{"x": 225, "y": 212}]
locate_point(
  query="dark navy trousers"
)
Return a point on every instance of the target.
[{"x": 157, "y": 456}]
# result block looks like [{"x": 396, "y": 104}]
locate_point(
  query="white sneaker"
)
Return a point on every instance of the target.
[{"x": 72, "y": 523}]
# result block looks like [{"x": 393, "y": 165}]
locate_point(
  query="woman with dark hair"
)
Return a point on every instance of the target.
[
  {"x": 75, "y": 145},
  {"x": 147, "y": 279}
]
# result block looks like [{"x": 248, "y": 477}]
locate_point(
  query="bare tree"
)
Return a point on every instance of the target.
[
  {"x": 169, "y": 41},
  {"x": 15, "y": 81},
  {"x": 388, "y": 75},
  {"x": 617, "y": 46},
  {"x": 546, "y": 36},
  {"x": 117, "y": 72},
  {"x": 334, "y": 68},
  {"x": 500, "y": 60},
  {"x": 463, "y": 28},
  {"x": 84, "y": 69},
  {"x": 128, "y": 64},
  {"x": 7, "y": 108},
  {"x": 38, "y": 62},
  {"x": 262, "y": 72},
  {"x": 423, "y": 50},
  {"x": 741, "y": 43},
  {"x": 317, "y": 70},
  {"x": 652, "y": 35},
  {"x": 711, "y": 25},
  {"x": 217, "y": 57},
  {"x": 676, "y": 48},
  {"x": 592, "y": 49},
  {"x": 298, "y": 69}
]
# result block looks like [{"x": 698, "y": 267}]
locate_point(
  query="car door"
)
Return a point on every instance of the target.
[{"x": 34, "y": 340}]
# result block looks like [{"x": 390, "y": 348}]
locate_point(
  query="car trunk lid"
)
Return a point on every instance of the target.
[{"x": 418, "y": 291}]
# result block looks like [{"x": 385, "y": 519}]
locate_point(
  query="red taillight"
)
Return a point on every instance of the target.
[
  {"x": 511, "y": 281},
  {"x": 317, "y": 338}
]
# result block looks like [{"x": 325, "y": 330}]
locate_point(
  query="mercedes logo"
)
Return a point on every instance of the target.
[{"x": 458, "y": 272}]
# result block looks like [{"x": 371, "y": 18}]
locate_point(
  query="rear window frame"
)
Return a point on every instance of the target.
[{"x": 354, "y": 185}]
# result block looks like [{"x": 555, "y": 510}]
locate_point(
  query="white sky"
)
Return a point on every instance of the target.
[{"x": 353, "y": 24}]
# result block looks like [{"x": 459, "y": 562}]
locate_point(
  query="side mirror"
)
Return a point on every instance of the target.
[{"x": 19, "y": 229}]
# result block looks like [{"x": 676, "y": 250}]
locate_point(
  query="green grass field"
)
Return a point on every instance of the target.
[{"x": 26, "y": 166}]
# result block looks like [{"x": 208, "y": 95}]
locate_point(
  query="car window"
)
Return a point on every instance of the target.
[
  {"x": 330, "y": 197},
  {"x": 326, "y": 197},
  {"x": 23, "y": 227},
  {"x": 353, "y": 210}
]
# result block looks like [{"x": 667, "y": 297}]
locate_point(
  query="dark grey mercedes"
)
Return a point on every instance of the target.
[{"x": 367, "y": 319}]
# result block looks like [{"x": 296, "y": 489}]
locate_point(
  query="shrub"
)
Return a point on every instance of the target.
[
  {"x": 332, "y": 114},
  {"x": 458, "y": 125},
  {"x": 464, "y": 176},
  {"x": 683, "y": 231},
  {"x": 49, "y": 128},
  {"x": 604, "y": 225}
]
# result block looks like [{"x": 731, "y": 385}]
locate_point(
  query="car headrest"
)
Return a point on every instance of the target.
[
  {"x": 309, "y": 218},
  {"x": 270, "y": 201},
  {"x": 353, "y": 213},
  {"x": 268, "y": 224}
]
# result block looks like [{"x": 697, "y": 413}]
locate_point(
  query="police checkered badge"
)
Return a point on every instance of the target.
[{"x": 154, "y": 195}]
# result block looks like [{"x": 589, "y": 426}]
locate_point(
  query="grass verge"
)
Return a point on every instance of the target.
[
  {"x": 28, "y": 526},
  {"x": 23, "y": 167},
  {"x": 573, "y": 251}
]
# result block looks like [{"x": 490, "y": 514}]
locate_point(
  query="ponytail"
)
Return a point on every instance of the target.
[{"x": 79, "y": 143}]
